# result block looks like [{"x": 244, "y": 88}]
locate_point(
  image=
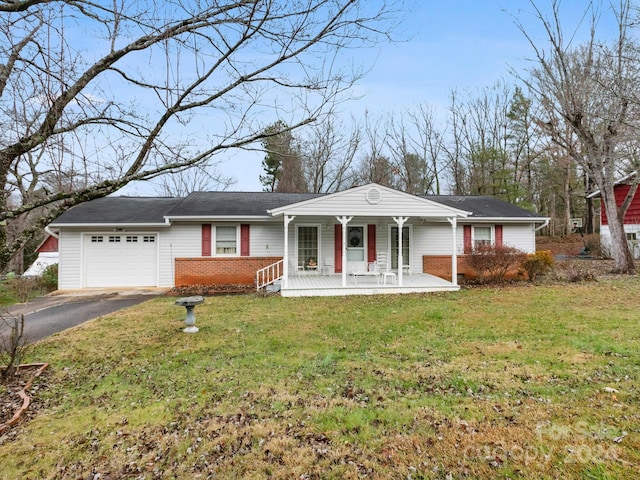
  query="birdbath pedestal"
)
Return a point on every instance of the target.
[{"x": 189, "y": 303}]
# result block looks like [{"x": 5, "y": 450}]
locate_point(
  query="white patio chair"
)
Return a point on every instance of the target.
[
  {"x": 296, "y": 269},
  {"x": 327, "y": 266},
  {"x": 382, "y": 262}
]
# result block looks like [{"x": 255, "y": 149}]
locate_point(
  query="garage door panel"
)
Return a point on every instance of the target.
[{"x": 120, "y": 260}]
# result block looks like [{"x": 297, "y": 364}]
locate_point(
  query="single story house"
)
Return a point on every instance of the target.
[
  {"x": 365, "y": 240},
  {"x": 631, "y": 217}
]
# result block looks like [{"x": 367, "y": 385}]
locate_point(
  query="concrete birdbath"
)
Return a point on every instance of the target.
[{"x": 189, "y": 303}]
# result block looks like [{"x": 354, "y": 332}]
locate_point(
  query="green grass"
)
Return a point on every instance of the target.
[
  {"x": 487, "y": 383},
  {"x": 7, "y": 296}
]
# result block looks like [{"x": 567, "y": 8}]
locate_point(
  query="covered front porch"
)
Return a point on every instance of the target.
[
  {"x": 325, "y": 285},
  {"x": 364, "y": 241}
]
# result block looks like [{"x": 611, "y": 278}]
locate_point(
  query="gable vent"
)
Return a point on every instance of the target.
[{"x": 373, "y": 196}]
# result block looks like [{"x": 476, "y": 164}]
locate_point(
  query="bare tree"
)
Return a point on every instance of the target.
[
  {"x": 200, "y": 177},
  {"x": 328, "y": 150},
  {"x": 410, "y": 168},
  {"x": 417, "y": 150},
  {"x": 428, "y": 140},
  {"x": 374, "y": 165},
  {"x": 124, "y": 91},
  {"x": 483, "y": 162},
  {"x": 590, "y": 91}
]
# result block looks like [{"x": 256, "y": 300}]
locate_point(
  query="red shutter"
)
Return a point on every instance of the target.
[
  {"x": 498, "y": 235},
  {"x": 206, "y": 240},
  {"x": 371, "y": 243},
  {"x": 337, "y": 242},
  {"x": 244, "y": 240},
  {"x": 467, "y": 239}
]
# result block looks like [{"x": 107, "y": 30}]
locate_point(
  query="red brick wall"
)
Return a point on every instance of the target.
[
  {"x": 440, "y": 266},
  {"x": 220, "y": 271}
]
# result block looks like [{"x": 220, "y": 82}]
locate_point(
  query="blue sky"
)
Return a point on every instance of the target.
[{"x": 449, "y": 45}]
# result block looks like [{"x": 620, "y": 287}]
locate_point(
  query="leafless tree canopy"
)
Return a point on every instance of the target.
[
  {"x": 592, "y": 109},
  {"x": 94, "y": 95}
]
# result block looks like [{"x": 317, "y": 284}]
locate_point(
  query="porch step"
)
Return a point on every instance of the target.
[{"x": 273, "y": 288}]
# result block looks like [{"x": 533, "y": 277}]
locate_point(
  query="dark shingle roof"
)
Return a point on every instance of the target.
[
  {"x": 153, "y": 210},
  {"x": 236, "y": 203},
  {"x": 119, "y": 210},
  {"x": 483, "y": 206}
]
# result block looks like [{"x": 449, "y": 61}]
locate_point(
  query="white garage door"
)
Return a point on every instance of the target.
[{"x": 121, "y": 260}]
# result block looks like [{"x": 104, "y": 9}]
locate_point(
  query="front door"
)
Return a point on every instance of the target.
[{"x": 356, "y": 251}]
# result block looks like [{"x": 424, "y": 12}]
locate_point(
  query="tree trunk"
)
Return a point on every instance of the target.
[
  {"x": 590, "y": 213},
  {"x": 619, "y": 246},
  {"x": 566, "y": 191}
]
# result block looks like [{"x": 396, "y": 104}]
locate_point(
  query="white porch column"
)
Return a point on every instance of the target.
[
  {"x": 285, "y": 261},
  {"x": 400, "y": 222},
  {"x": 454, "y": 255},
  {"x": 344, "y": 220}
]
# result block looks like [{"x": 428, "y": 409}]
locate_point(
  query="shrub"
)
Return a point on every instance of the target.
[
  {"x": 578, "y": 271},
  {"x": 49, "y": 279},
  {"x": 537, "y": 263},
  {"x": 491, "y": 263},
  {"x": 592, "y": 246},
  {"x": 21, "y": 288},
  {"x": 13, "y": 344}
]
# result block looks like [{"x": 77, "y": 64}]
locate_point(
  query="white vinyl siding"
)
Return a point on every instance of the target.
[
  {"x": 520, "y": 236},
  {"x": 180, "y": 241},
  {"x": 267, "y": 239},
  {"x": 69, "y": 255},
  {"x": 435, "y": 239},
  {"x": 184, "y": 240}
]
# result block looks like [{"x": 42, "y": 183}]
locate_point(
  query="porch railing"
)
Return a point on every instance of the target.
[{"x": 269, "y": 274}]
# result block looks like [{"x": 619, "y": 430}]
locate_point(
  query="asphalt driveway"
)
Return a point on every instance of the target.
[{"x": 53, "y": 313}]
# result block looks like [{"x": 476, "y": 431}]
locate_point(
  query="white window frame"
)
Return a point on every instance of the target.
[
  {"x": 214, "y": 236},
  {"x": 318, "y": 227},
  {"x": 407, "y": 261},
  {"x": 492, "y": 231}
]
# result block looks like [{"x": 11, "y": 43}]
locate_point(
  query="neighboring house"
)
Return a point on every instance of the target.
[
  {"x": 313, "y": 244},
  {"x": 47, "y": 255},
  {"x": 631, "y": 218}
]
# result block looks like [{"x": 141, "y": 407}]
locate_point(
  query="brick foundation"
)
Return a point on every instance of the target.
[
  {"x": 220, "y": 271},
  {"x": 440, "y": 266}
]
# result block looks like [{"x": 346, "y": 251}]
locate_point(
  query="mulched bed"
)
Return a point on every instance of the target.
[
  {"x": 188, "y": 290},
  {"x": 10, "y": 401}
]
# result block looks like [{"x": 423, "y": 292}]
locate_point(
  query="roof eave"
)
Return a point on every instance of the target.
[
  {"x": 110, "y": 225},
  {"x": 217, "y": 218},
  {"x": 508, "y": 219}
]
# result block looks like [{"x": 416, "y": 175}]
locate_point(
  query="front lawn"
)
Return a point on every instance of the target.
[{"x": 522, "y": 382}]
